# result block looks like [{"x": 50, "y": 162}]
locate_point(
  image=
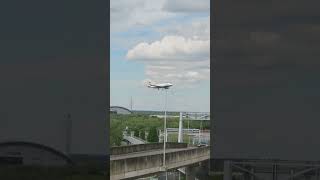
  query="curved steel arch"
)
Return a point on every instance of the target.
[{"x": 121, "y": 108}]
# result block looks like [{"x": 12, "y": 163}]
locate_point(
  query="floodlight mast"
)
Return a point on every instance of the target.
[
  {"x": 165, "y": 131},
  {"x": 166, "y": 87}
]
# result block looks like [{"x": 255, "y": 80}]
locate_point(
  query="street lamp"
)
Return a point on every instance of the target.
[
  {"x": 164, "y": 86},
  {"x": 165, "y": 130}
]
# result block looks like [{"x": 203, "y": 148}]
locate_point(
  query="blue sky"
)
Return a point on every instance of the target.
[{"x": 161, "y": 41}]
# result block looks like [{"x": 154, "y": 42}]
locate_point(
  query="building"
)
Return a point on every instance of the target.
[{"x": 119, "y": 110}]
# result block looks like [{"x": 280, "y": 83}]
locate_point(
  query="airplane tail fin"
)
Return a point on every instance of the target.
[{"x": 150, "y": 83}]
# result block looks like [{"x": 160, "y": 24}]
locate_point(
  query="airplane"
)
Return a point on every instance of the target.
[{"x": 160, "y": 85}]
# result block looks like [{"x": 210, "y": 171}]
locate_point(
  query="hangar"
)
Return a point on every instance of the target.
[{"x": 119, "y": 110}]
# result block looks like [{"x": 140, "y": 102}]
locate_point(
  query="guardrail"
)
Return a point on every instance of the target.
[
  {"x": 184, "y": 130},
  {"x": 143, "y": 165},
  {"x": 144, "y": 147},
  {"x": 125, "y": 137}
]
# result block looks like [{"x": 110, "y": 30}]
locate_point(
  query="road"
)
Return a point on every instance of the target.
[{"x": 133, "y": 140}]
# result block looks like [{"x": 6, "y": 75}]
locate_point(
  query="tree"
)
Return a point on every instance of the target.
[
  {"x": 115, "y": 133},
  {"x": 143, "y": 135},
  {"x": 136, "y": 133},
  {"x": 153, "y": 135}
]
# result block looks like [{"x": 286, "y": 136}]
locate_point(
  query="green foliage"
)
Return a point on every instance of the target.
[
  {"x": 153, "y": 135},
  {"x": 140, "y": 121},
  {"x": 143, "y": 135},
  {"x": 116, "y": 128},
  {"x": 136, "y": 132},
  {"x": 143, "y": 122}
]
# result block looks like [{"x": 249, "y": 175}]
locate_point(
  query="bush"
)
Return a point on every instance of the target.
[
  {"x": 138, "y": 122},
  {"x": 153, "y": 135},
  {"x": 143, "y": 135},
  {"x": 116, "y": 129},
  {"x": 136, "y": 133}
]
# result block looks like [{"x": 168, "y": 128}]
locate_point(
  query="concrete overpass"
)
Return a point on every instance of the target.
[
  {"x": 133, "y": 140},
  {"x": 130, "y": 162}
]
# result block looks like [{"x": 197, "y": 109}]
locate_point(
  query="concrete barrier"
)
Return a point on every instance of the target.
[
  {"x": 145, "y": 147},
  {"x": 140, "y": 166}
]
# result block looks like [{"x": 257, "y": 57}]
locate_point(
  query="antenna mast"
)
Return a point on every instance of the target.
[{"x": 131, "y": 103}]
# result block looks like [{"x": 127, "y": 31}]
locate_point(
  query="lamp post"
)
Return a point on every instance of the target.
[
  {"x": 164, "y": 86},
  {"x": 165, "y": 131}
]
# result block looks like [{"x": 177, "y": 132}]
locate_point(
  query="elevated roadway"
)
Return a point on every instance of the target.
[
  {"x": 141, "y": 160},
  {"x": 133, "y": 140}
]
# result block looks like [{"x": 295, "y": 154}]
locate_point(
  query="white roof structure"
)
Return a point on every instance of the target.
[{"x": 120, "y": 110}]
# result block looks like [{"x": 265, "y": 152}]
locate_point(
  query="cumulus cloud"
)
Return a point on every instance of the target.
[
  {"x": 183, "y": 61},
  {"x": 182, "y": 75},
  {"x": 176, "y": 59},
  {"x": 181, "y": 56},
  {"x": 198, "y": 28},
  {"x": 126, "y": 14},
  {"x": 187, "y": 6},
  {"x": 171, "y": 48}
]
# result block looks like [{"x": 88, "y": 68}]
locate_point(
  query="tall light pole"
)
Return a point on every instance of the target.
[
  {"x": 165, "y": 131},
  {"x": 164, "y": 86}
]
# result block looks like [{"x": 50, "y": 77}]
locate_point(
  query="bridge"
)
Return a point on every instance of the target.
[
  {"x": 140, "y": 160},
  {"x": 133, "y": 139},
  {"x": 187, "y": 131}
]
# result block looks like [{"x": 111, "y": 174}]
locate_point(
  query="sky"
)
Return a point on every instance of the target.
[{"x": 160, "y": 41}]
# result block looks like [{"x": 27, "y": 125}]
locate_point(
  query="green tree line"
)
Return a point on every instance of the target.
[{"x": 139, "y": 124}]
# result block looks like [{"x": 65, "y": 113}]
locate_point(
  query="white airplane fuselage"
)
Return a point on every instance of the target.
[{"x": 160, "y": 85}]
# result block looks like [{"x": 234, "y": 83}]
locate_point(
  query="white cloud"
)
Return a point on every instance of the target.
[
  {"x": 187, "y": 6},
  {"x": 171, "y": 39},
  {"x": 171, "y": 48},
  {"x": 126, "y": 14},
  {"x": 198, "y": 28},
  {"x": 182, "y": 61},
  {"x": 182, "y": 55}
]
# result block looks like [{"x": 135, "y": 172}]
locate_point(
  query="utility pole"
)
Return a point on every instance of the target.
[
  {"x": 189, "y": 131},
  {"x": 180, "y": 135},
  {"x": 165, "y": 134},
  {"x": 164, "y": 86},
  {"x": 131, "y": 103}
]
